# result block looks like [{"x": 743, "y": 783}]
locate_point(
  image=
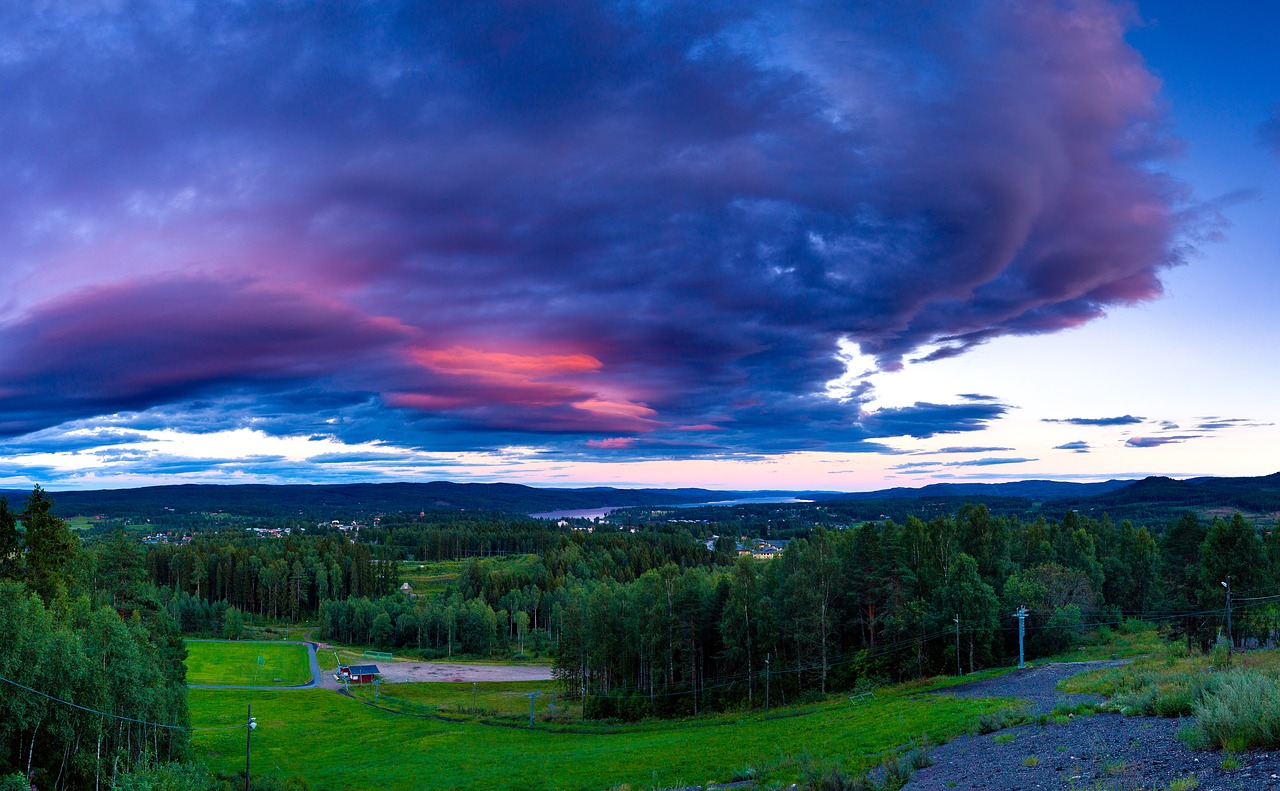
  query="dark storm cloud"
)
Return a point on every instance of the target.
[
  {"x": 639, "y": 225},
  {"x": 128, "y": 346},
  {"x": 52, "y": 441},
  {"x": 1079, "y": 446},
  {"x": 925, "y": 420},
  {"x": 1123, "y": 420}
]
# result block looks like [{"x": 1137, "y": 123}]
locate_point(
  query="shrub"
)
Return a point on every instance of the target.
[
  {"x": 999, "y": 720},
  {"x": 1242, "y": 712},
  {"x": 1220, "y": 658}
]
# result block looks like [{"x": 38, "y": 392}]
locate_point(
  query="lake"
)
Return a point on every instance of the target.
[{"x": 600, "y": 513}]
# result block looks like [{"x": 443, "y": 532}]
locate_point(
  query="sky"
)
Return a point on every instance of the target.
[{"x": 741, "y": 245}]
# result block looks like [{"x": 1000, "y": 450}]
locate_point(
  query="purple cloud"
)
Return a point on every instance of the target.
[
  {"x": 1155, "y": 442},
  {"x": 469, "y": 225},
  {"x": 1123, "y": 420},
  {"x": 987, "y": 462},
  {"x": 1078, "y": 446},
  {"x": 1219, "y": 423},
  {"x": 967, "y": 449},
  {"x": 916, "y": 465}
]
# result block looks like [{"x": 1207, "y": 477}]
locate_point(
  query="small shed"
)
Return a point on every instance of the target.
[{"x": 359, "y": 674}]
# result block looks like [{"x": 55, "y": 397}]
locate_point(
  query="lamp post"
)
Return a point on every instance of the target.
[
  {"x": 250, "y": 725},
  {"x": 1227, "y": 584},
  {"x": 957, "y": 620},
  {"x": 1021, "y": 615}
]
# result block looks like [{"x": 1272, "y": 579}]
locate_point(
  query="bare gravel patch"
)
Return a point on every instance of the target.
[{"x": 404, "y": 672}]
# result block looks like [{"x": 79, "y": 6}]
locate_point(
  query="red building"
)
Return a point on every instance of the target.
[{"x": 359, "y": 674}]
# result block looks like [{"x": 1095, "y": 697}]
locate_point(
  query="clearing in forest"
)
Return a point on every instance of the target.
[{"x": 244, "y": 663}]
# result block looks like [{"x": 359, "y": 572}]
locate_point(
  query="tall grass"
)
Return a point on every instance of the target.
[{"x": 1235, "y": 699}]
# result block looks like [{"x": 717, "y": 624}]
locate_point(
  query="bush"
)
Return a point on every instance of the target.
[
  {"x": 165, "y": 777},
  {"x": 1243, "y": 711},
  {"x": 999, "y": 720},
  {"x": 14, "y": 782},
  {"x": 1220, "y": 658}
]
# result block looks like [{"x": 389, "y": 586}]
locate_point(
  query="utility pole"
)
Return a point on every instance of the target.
[
  {"x": 957, "y": 620},
  {"x": 1021, "y": 615},
  {"x": 532, "y": 697},
  {"x": 250, "y": 724},
  {"x": 766, "y": 684},
  {"x": 1227, "y": 584}
]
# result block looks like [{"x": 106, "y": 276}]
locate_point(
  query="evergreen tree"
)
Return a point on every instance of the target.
[
  {"x": 50, "y": 546},
  {"x": 10, "y": 542}
]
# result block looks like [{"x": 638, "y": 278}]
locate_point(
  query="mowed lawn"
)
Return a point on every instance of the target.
[
  {"x": 236, "y": 663},
  {"x": 339, "y": 743}
]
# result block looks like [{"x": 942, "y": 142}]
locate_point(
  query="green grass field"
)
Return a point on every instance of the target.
[
  {"x": 313, "y": 733},
  {"x": 489, "y": 700},
  {"x": 236, "y": 663}
]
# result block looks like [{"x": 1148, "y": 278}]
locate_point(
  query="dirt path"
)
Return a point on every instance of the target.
[
  {"x": 400, "y": 671},
  {"x": 1034, "y": 684},
  {"x": 1105, "y": 751}
]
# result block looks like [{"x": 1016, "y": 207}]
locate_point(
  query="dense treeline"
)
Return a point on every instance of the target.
[
  {"x": 81, "y": 625},
  {"x": 843, "y": 608},
  {"x": 498, "y": 605},
  {"x": 284, "y": 578}
]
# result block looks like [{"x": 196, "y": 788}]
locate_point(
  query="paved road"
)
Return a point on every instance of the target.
[{"x": 317, "y": 678}]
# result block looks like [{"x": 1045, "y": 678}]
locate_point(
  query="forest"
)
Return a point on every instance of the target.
[
  {"x": 82, "y": 624},
  {"x": 650, "y": 616},
  {"x": 656, "y": 614}
]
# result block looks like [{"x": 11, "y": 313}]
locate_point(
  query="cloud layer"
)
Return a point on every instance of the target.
[{"x": 628, "y": 228}]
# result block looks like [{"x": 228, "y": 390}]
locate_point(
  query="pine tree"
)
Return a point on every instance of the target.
[
  {"x": 50, "y": 546},
  {"x": 10, "y": 542}
]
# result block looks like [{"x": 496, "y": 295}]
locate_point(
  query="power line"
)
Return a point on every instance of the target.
[{"x": 115, "y": 716}]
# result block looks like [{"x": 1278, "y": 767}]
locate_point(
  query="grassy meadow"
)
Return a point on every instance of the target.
[
  {"x": 433, "y": 576},
  {"x": 236, "y": 663},
  {"x": 337, "y": 742}
]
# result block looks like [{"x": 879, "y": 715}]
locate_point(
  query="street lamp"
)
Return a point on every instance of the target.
[{"x": 250, "y": 726}]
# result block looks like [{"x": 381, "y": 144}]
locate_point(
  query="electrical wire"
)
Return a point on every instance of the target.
[{"x": 116, "y": 716}]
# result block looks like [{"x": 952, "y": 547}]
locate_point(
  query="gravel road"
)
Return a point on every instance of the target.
[{"x": 1105, "y": 751}]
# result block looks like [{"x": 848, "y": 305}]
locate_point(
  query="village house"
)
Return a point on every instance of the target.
[{"x": 359, "y": 674}]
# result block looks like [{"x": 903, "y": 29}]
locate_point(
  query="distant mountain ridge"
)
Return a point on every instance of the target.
[
  {"x": 1153, "y": 494},
  {"x": 1030, "y": 490}
]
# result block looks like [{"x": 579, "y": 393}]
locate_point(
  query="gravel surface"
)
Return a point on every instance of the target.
[
  {"x": 443, "y": 671},
  {"x": 1105, "y": 751},
  {"x": 1034, "y": 684}
]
